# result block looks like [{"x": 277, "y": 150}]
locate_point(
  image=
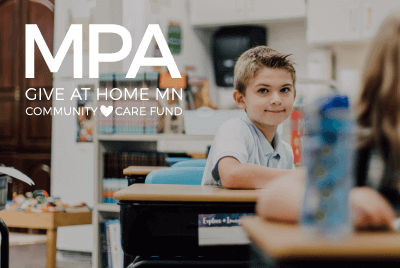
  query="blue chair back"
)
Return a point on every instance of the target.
[
  {"x": 191, "y": 163},
  {"x": 182, "y": 175},
  {"x": 173, "y": 160}
]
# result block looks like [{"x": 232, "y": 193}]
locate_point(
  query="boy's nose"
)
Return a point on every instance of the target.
[{"x": 276, "y": 99}]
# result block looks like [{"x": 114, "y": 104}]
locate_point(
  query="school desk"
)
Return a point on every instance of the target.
[
  {"x": 137, "y": 174},
  {"x": 285, "y": 245},
  {"x": 163, "y": 219},
  {"x": 48, "y": 221}
]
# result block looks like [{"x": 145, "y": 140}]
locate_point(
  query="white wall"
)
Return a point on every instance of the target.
[
  {"x": 72, "y": 171},
  {"x": 290, "y": 38},
  {"x": 72, "y": 162},
  {"x": 351, "y": 59}
]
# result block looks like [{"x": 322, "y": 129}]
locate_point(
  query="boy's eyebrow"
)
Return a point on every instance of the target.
[{"x": 265, "y": 85}]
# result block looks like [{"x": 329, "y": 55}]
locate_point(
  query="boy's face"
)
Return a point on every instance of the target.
[{"x": 269, "y": 97}]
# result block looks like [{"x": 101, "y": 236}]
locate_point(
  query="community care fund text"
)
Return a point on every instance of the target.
[{"x": 113, "y": 94}]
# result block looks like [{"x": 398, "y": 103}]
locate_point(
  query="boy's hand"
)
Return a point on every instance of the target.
[{"x": 370, "y": 209}]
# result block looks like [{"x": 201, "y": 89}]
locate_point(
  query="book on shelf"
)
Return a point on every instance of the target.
[
  {"x": 108, "y": 243},
  {"x": 116, "y": 250},
  {"x": 111, "y": 252},
  {"x": 103, "y": 245}
]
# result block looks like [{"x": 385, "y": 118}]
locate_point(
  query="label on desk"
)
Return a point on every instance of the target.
[{"x": 221, "y": 229}]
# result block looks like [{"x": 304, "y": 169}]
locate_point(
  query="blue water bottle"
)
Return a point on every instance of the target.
[{"x": 328, "y": 158}]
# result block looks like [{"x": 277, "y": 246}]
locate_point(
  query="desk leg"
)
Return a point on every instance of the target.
[{"x": 51, "y": 250}]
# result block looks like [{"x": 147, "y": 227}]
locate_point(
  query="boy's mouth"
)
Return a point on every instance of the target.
[{"x": 275, "y": 112}]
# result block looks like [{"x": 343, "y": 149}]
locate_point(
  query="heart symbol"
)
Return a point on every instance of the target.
[{"x": 106, "y": 110}]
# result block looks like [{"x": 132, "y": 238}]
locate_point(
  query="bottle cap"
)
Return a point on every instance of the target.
[{"x": 337, "y": 101}]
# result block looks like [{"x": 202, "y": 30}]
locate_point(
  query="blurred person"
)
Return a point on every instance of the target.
[{"x": 377, "y": 159}]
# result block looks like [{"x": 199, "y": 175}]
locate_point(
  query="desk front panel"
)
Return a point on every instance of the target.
[{"x": 172, "y": 228}]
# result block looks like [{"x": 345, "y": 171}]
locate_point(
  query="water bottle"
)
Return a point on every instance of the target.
[{"x": 328, "y": 158}]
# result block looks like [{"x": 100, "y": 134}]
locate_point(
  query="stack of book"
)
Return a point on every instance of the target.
[
  {"x": 110, "y": 186},
  {"x": 105, "y": 124},
  {"x": 116, "y": 162},
  {"x": 111, "y": 252},
  {"x": 125, "y": 120},
  {"x": 132, "y": 112},
  {"x": 152, "y": 118}
]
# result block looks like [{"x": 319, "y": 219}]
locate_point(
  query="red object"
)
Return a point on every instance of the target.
[{"x": 296, "y": 122}]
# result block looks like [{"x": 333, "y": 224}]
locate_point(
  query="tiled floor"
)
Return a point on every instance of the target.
[{"x": 34, "y": 256}]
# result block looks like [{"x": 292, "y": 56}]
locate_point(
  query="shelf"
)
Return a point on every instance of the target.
[
  {"x": 107, "y": 207},
  {"x": 152, "y": 137}
]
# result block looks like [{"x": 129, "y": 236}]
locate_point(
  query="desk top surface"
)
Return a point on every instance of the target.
[
  {"x": 141, "y": 170},
  {"x": 184, "y": 193},
  {"x": 287, "y": 242},
  {"x": 44, "y": 220}
]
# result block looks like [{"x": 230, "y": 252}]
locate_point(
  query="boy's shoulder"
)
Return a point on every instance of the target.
[{"x": 235, "y": 126}]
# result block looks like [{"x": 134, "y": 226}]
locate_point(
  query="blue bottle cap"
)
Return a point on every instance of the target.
[{"x": 337, "y": 101}]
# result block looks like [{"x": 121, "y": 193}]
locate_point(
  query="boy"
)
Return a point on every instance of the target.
[{"x": 246, "y": 154}]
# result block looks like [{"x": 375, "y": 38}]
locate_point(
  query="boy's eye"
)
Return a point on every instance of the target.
[
  {"x": 263, "y": 90},
  {"x": 285, "y": 89}
]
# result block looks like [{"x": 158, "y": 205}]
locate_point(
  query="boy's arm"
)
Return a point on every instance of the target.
[{"x": 235, "y": 175}]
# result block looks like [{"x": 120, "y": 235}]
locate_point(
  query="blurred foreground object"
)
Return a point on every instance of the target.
[{"x": 328, "y": 157}]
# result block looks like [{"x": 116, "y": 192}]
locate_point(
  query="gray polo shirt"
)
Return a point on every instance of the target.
[{"x": 242, "y": 140}]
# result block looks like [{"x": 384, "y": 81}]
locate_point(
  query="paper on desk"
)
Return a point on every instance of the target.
[
  {"x": 221, "y": 229},
  {"x": 16, "y": 174}
]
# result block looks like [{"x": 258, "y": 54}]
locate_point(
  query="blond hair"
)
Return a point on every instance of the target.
[
  {"x": 379, "y": 103},
  {"x": 254, "y": 59}
]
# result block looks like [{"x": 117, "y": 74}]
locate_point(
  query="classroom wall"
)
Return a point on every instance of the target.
[
  {"x": 72, "y": 162},
  {"x": 351, "y": 58},
  {"x": 290, "y": 38}
]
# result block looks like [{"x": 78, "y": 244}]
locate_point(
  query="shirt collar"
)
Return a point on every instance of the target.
[{"x": 265, "y": 145}]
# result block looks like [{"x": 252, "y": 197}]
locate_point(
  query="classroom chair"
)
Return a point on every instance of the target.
[
  {"x": 173, "y": 160},
  {"x": 176, "y": 175},
  {"x": 191, "y": 163}
]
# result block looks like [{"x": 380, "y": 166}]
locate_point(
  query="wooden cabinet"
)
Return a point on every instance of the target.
[
  {"x": 9, "y": 79},
  {"x": 36, "y": 130},
  {"x": 214, "y": 13},
  {"x": 25, "y": 141},
  {"x": 345, "y": 20}
]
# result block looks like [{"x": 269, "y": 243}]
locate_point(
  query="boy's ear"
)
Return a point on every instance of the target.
[
  {"x": 239, "y": 99},
  {"x": 294, "y": 95}
]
